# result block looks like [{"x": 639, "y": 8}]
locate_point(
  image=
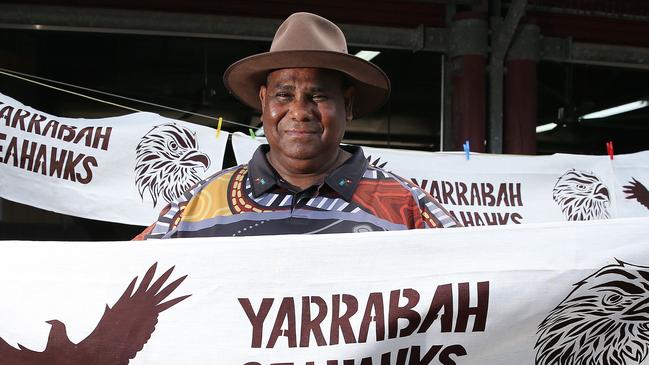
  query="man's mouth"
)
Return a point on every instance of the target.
[{"x": 300, "y": 132}]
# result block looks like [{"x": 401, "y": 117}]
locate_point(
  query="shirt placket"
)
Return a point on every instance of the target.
[{"x": 300, "y": 199}]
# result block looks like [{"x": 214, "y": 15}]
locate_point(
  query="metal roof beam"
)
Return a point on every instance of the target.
[
  {"x": 115, "y": 21},
  {"x": 565, "y": 50},
  {"x": 120, "y": 21}
]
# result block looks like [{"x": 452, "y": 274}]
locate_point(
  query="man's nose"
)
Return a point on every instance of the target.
[{"x": 302, "y": 109}]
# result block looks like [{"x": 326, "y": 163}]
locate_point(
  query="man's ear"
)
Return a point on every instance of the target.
[
  {"x": 348, "y": 94},
  {"x": 262, "y": 97}
]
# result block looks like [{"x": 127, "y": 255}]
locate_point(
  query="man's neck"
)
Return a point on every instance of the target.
[{"x": 306, "y": 173}]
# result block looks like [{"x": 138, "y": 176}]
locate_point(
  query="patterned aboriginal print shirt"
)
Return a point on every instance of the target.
[{"x": 252, "y": 199}]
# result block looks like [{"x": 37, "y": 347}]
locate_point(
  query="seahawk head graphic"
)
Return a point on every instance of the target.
[
  {"x": 581, "y": 196},
  {"x": 604, "y": 321},
  {"x": 167, "y": 162}
]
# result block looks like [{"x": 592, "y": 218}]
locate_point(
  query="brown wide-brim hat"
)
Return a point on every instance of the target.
[{"x": 308, "y": 40}]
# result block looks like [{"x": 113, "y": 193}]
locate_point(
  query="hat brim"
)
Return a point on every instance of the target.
[{"x": 244, "y": 77}]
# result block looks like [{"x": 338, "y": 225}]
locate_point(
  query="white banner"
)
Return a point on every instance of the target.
[
  {"x": 122, "y": 169},
  {"x": 544, "y": 294},
  {"x": 507, "y": 189}
]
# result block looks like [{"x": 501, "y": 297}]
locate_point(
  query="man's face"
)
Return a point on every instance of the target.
[{"x": 304, "y": 111}]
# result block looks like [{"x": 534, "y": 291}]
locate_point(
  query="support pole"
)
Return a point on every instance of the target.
[
  {"x": 519, "y": 125},
  {"x": 468, "y": 49},
  {"x": 446, "y": 127},
  {"x": 503, "y": 38}
]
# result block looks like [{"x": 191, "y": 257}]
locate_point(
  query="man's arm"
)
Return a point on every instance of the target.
[
  {"x": 432, "y": 212},
  {"x": 142, "y": 236}
]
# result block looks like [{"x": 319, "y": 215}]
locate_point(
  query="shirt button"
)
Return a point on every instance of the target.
[{"x": 344, "y": 182}]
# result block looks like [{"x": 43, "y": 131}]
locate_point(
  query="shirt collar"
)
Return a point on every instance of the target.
[{"x": 343, "y": 179}]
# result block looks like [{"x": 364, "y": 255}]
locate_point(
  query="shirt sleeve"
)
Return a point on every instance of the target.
[
  {"x": 433, "y": 213},
  {"x": 142, "y": 235},
  {"x": 146, "y": 233}
]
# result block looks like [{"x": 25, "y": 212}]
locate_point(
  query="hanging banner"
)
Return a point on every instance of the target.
[
  {"x": 507, "y": 189},
  {"x": 544, "y": 294},
  {"x": 122, "y": 169}
]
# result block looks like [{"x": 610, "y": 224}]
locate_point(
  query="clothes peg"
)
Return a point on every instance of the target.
[
  {"x": 467, "y": 150},
  {"x": 609, "y": 149},
  {"x": 218, "y": 127},
  {"x": 252, "y": 133}
]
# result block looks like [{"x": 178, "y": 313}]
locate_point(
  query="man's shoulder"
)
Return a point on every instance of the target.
[
  {"x": 380, "y": 184},
  {"x": 377, "y": 174},
  {"x": 219, "y": 181},
  {"x": 388, "y": 182},
  {"x": 223, "y": 175},
  {"x": 205, "y": 199}
]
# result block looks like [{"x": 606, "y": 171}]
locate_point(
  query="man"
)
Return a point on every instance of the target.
[{"x": 307, "y": 88}]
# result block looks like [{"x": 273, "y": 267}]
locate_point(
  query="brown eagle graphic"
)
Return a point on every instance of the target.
[
  {"x": 603, "y": 321},
  {"x": 635, "y": 190},
  {"x": 121, "y": 332},
  {"x": 167, "y": 160},
  {"x": 581, "y": 196}
]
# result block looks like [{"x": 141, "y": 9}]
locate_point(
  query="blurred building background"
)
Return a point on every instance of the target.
[{"x": 518, "y": 76}]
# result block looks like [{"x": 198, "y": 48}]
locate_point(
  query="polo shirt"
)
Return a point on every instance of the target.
[{"x": 253, "y": 199}]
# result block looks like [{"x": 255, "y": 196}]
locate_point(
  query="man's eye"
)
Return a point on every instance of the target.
[
  {"x": 283, "y": 95},
  {"x": 319, "y": 97}
]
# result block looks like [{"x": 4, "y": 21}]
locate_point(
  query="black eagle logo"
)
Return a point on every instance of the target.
[
  {"x": 121, "y": 332},
  {"x": 376, "y": 162},
  {"x": 603, "y": 321},
  {"x": 167, "y": 160},
  {"x": 581, "y": 196}
]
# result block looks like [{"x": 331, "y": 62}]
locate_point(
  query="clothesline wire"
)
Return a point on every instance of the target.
[{"x": 28, "y": 78}]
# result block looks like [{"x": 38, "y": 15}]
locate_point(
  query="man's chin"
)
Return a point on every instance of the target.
[
  {"x": 305, "y": 154},
  {"x": 302, "y": 147}
]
